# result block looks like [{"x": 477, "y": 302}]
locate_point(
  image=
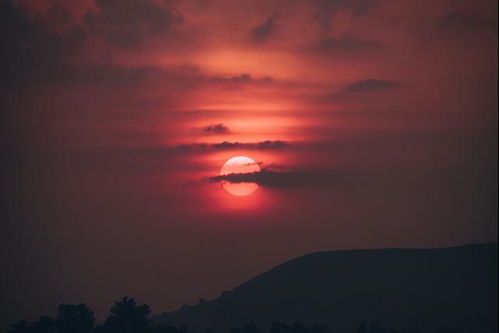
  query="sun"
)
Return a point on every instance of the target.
[{"x": 239, "y": 164}]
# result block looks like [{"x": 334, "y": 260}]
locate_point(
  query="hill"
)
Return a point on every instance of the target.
[{"x": 426, "y": 289}]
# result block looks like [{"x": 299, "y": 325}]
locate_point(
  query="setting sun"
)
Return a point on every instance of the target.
[{"x": 237, "y": 165}]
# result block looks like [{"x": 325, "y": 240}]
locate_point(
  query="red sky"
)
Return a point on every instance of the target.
[{"x": 375, "y": 122}]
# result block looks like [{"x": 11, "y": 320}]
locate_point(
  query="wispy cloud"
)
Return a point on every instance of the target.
[
  {"x": 370, "y": 85},
  {"x": 215, "y": 129},
  {"x": 345, "y": 45},
  {"x": 226, "y": 145},
  {"x": 304, "y": 179},
  {"x": 261, "y": 32}
]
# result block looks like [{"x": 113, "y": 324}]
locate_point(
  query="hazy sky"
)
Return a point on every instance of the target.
[{"x": 375, "y": 122}]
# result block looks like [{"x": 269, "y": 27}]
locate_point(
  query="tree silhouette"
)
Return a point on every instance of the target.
[
  {"x": 22, "y": 326},
  {"x": 74, "y": 319},
  {"x": 319, "y": 329},
  {"x": 164, "y": 329},
  {"x": 44, "y": 324},
  {"x": 277, "y": 327},
  {"x": 362, "y": 327},
  {"x": 172, "y": 329},
  {"x": 377, "y": 328},
  {"x": 248, "y": 328},
  {"x": 127, "y": 317},
  {"x": 373, "y": 328},
  {"x": 299, "y": 328}
]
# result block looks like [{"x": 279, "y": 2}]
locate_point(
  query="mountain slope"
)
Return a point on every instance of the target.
[{"x": 402, "y": 288}]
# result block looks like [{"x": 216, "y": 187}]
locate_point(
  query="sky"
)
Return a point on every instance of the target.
[{"x": 373, "y": 122}]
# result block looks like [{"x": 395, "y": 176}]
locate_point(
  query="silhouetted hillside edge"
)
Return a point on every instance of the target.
[
  {"x": 363, "y": 291},
  {"x": 427, "y": 289}
]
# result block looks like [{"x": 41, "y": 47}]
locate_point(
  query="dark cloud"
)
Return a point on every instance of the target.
[
  {"x": 127, "y": 23},
  {"x": 326, "y": 9},
  {"x": 30, "y": 52},
  {"x": 261, "y": 32},
  {"x": 33, "y": 51},
  {"x": 305, "y": 179},
  {"x": 242, "y": 78},
  {"x": 330, "y": 7},
  {"x": 117, "y": 77},
  {"x": 463, "y": 22},
  {"x": 215, "y": 129},
  {"x": 263, "y": 145},
  {"x": 362, "y": 86},
  {"x": 371, "y": 85},
  {"x": 346, "y": 44},
  {"x": 42, "y": 48}
]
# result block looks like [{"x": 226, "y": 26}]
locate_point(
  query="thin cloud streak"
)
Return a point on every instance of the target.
[
  {"x": 226, "y": 145},
  {"x": 216, "y": 129},
  {"x": 304, "y": 179},
  {"x": 371, "y": 85}
]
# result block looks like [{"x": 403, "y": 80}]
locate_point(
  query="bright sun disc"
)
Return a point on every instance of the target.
[{"x": 239, "y": 164}]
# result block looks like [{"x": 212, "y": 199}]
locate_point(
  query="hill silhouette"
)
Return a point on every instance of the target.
[{"x": 425, "y": 289}]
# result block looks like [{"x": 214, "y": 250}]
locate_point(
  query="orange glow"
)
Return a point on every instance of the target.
[{"x": 239, "y": 164}]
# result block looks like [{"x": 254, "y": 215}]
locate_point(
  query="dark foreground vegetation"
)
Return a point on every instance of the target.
[{"x": 126, "y": 316}]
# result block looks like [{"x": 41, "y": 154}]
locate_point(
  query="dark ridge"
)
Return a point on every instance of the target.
[{"x": 426, "y": 289}]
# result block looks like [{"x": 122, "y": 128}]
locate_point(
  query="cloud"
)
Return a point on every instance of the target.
[
  {"x": 127, "y": 23},
  {"x": 326, "y": 9},
  {"x": 462, "y": 22},
  {"x": 330, "y": 7},
  {"x": 225, "y": 145},
  {"x": 30, "y": 52},
  {"x": 242, "y": 78},
  {"x": 215, "y": 129},
  {"x": 346, "y": 44},
  {"x": 304, "y": 179},
  {"x": 371, "y": 85},
  {"x": 40, "y": 46},
  {"x": 362, "y": 86},
  {"x": 261, "y": 33},
  {"x": 176, "y": 78}
]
